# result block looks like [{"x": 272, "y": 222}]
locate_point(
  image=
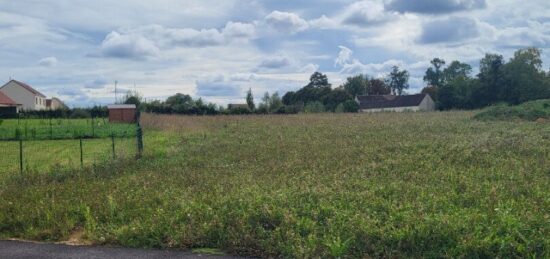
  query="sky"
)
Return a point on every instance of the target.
[{"x": 217, "y": 50}]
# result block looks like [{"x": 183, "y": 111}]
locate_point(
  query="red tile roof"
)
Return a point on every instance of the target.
[
  {"x": 29, "y": 88},
  {"x": 4, "y": 99}
]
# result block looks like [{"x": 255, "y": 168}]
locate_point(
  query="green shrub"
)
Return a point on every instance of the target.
[{"x": 529, "y": 111}]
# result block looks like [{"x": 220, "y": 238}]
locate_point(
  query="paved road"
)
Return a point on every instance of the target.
[{"x": 26, "y": 250}]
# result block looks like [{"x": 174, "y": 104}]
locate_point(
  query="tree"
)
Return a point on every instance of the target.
[
  {"x": 455, "y": 70},
  {"x": 318, "y": 79},
  {"x": 524, "y": 77},
  {"x": 133, "y": 97},
  {"x": 434, "y": 75},
  {"x": 275, "y": 102},
  {"x": 491, "y": 78},
  {"x": 398, "y": 80},
  {"x": 317, "y": 87},
  {"x": 250, "y": 100},
  {"x": 334, "y": 98},
  {"x": 314, "y": 107},
  {"x": 351, "y": 106},
  {"x": 357, "y": 85},
  {"x": 378, "y": 87}
]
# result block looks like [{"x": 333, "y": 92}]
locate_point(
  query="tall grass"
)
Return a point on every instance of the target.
[{"x": 322, "y": 185}]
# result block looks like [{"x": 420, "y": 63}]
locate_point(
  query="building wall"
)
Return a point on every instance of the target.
[
  {"x": 427, "y": 104},
  {"x": 28, "y": 100},
  {"x": 396, "y": 109},
  {"x": 122, "y": 115},
  {"x": 56, "y": 104}
]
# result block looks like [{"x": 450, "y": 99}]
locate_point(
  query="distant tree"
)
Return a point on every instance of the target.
[
  {"x": 275, "y": 102},
  {"x": 398, "y": 80},
  {"x": 351, "y": 106},
  {"x": 378, "y": 87},
  {"x": 456, "y": 70},
  {"x": 335, "y": 97},
  {"x": 491, "y": 79},
  {"x": 525, "y": 79},
  {"x": 314, "y": 107},
  {"x": 434, "y": 74},
  {"x": 317, "y": 87},
  {"x": 318, "y": 79},
  {"x": 133, "y": 97},
  {"x": 250, "y": 100},
  {"x": 357, "y": 85}
]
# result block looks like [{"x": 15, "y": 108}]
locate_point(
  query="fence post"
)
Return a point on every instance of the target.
[
  {"x": 139, "y": 137},
  {"x": 51, "y": 129},
  {"x": 81, "y": 154},
  {"x": 21, "y": 155},
  {"x": 113, "y": 140},
  {"x": 93, "y": 127}
]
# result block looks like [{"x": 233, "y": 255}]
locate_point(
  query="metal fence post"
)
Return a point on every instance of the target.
[
  {"x": 139, "y": 137},
  {"x": 81, "y": 154},
  {"x": 113, "y": 140},
  {"x": 21, "y": 155}
]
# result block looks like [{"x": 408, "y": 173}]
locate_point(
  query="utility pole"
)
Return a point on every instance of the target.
[{"x": 116, "y": 97}]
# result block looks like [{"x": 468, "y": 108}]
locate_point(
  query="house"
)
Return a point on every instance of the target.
[
  {"x": 24, "y": 94},
  {"x": 122, "y": 113},
  {"x": 55, "y": 104},
  {"x": 8, "y": 107},
  {"x": 382, "y": 103}
]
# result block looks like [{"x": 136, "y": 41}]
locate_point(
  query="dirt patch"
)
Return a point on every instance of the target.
[
  {"x": 76, "y": 238},
  {"x": 542, "y": 120}
]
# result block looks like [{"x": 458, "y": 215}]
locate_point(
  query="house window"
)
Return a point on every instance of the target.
[{"x": 36, "y": 100}]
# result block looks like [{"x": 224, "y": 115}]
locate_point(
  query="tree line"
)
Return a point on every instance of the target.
[
  {"x": 520, "y": 79},
  {"x": 451, "y": 86}
]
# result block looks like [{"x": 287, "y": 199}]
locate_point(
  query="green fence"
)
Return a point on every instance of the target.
[{"x": 27, "y": 154}]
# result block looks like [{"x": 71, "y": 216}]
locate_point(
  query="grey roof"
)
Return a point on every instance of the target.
[
  {"x": 389, "y": 101},
  {"x": 121, "y": 106}
]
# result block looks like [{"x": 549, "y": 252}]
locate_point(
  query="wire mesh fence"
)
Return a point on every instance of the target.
[{"x": 36, "y": 145}]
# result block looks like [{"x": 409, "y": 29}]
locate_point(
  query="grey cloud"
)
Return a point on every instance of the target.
[
  {"x": 48, "y": 62},
  {"x": 99, "y": 83},
  {"x": 434, "y": 7},
  {"x": 273, "y": 63},
  {"x": 217, "y": 88},
  {"x": 365, "y": 13},
  {"x": 454, "y": 29}
]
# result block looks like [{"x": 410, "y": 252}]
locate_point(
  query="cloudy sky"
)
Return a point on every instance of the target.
[{"x": 76, "y": 49}]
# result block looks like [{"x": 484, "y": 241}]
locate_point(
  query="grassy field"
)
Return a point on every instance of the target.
[
  {"x": 43, "y": 129},
  {"x": 327, "y": 185}
]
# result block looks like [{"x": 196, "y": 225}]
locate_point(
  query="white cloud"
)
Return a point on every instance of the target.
[
  {"x": 365, "y": 13},
  {"x": 286, "y": 22},
  {"x": 239, "y": 30},
  {"x": 128, "y": 46},
  {"x": 48, "y": 62},
  {"x": 344, "y": 56}
]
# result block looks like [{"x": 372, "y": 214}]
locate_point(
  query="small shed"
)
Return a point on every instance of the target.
[
  {"x": 8, "y": 107},
  {"x": 122, "y": 113}
]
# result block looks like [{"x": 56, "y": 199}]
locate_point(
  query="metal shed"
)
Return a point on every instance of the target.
[{"x": 122, "y": 113}]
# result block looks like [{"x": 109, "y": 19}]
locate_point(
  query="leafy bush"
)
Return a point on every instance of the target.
[
  {"x": 529, "y": 111},
  {"x": 314, "y": 107}
]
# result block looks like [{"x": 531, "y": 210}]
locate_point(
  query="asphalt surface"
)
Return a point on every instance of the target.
[{"x": 28, "y": 250}]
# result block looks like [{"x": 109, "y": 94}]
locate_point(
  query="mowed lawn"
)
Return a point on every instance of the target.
[{"x": 327, "y": 185}]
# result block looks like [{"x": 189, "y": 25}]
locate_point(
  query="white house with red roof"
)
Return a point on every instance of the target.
[{"x": 24, "y": 95}]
